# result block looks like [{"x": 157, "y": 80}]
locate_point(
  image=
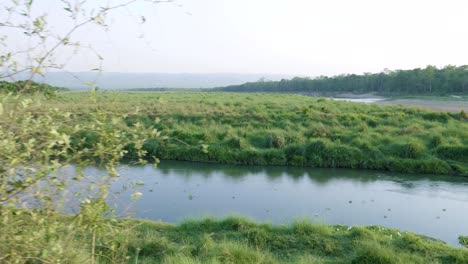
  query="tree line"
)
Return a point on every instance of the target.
[
  {"x": 28, "y": 87},
  {"x": 421, "y": 81}
]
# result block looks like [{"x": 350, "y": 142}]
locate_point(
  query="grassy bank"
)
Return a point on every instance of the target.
[
  {"x": 39, "y": 134},
  {"x": 232, "y": 240},
  {"x": 236, "y": 240},
  {"x": 292, "y": 130}
]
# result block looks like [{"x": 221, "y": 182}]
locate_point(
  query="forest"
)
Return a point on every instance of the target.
[{"x": 449, "y": 80}]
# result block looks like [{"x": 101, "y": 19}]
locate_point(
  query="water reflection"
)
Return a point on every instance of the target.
[
  {"x": 316, "y": 175},
  {"x": 432, "y": 205}
]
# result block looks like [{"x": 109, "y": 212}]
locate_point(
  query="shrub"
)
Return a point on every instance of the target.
[{"x": 463, "y": 240}]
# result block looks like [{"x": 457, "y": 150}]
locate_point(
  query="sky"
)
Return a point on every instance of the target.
[{"x": 295, "y": 37}]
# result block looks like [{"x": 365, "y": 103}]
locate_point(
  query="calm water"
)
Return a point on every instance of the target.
[
  {"x": 434, "y": 206},
  {"x": 360, "y": 100}
]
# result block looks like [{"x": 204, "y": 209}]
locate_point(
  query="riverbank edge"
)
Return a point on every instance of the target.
[
  {"x": 279, "y": 157},
  {"x": 236, "y": 239}
]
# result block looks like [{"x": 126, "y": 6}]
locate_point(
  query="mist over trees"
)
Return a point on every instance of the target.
[{"x": 421, "y": 81}]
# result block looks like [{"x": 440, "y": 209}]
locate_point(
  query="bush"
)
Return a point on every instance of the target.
[{"x": 463, "y": 240}]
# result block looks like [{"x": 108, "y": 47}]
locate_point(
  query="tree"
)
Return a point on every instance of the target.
[
  {"x": 22, "y": 23},
  {"x": 430, "y": 81},
  {"x": 39, "y": 144},
  {"x": 429, "y": 73}
]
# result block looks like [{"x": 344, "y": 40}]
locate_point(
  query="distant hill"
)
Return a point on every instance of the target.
[
  {"x": 420, "y": 81},
  {"x": 118, "y": 81}
]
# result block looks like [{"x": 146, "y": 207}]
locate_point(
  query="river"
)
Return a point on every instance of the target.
[{"x": 435, "y": 206}]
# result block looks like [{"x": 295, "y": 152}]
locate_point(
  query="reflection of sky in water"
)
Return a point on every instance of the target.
[{"x": 435, "y": 206}]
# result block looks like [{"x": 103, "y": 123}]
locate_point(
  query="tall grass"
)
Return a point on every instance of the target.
[
  {"x": 237, "y": 240},
  {"x": 292, "y": 130}
]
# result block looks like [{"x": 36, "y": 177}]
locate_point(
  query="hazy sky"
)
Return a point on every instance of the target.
[{"x": 303, "y": 37}]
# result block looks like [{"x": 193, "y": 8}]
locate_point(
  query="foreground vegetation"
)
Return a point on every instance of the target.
[
  {"x": 274, "y": 129},
  {"x": 427, "y": 81},
  {"x": 237, "y": 240}
]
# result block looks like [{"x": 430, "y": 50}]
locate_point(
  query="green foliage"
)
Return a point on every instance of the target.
[
  {"x": 371, "y": 253},
  {"x": 29, "y": 88},
  {"x": 462, "y": 115},
  {"x": 464, "y": 241},
  {"x": 413, "y": 150},
  {"x": 39, "y": 143},
  {"x": 447, "y": 80},
  {"x": 459, "y": 153},
  {"x": 237, "y": 240},
  {"x": 272, "y": 129},
  {"x": 276, "y": 141},
  {"x": 41, "y": 138},
  {"x": 323, "y": 153}
]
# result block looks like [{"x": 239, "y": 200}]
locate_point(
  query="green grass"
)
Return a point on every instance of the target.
[
  {"x": 291, "y": 130},
  {"x": 237, "y": 240},
  {"x": 261, "y": 129}
]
